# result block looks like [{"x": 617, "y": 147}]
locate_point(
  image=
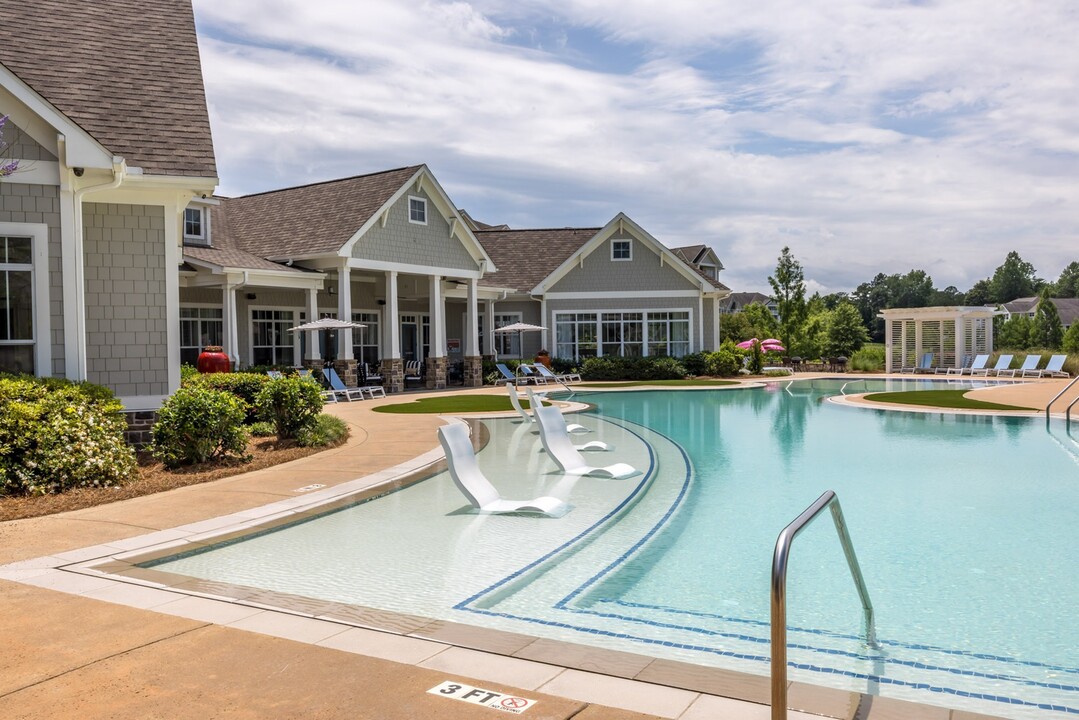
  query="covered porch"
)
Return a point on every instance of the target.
[{"x": 953, "y": 334}]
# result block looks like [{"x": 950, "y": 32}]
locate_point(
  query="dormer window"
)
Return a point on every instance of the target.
[
  {"x": 621, "y": 250},
  {"x": 195, "y": 225},
  {"x": 709, "y": 271},
  {"x": 417, "y": 210}
]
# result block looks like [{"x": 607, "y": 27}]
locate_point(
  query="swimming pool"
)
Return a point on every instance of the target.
[{"x": 961, "y": 524}]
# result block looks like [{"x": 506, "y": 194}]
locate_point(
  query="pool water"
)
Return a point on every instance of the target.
[{"x": 962, "y": 525}]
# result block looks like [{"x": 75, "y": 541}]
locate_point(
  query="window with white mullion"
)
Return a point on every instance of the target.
[
  {"x": 623, "y": 334},
  {"x": 576, "y": 335},
  {"x": 272, "y": 343},
  {"x": 199, "y": 327},
  {"x": 365, "y": 341},
  {"x": 16, "y": 305}
]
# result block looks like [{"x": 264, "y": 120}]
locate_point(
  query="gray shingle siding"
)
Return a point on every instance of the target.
[
  {"x": 600, "y": 273},
  {"x": 126, "y": 346},
  {"x": 401, "y": 241},
  {"x": 40, "y": 204},
  {"x": 22, "y": 146}
]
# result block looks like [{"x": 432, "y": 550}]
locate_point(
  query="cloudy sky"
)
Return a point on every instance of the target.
[{"x": 869, "y": 136}]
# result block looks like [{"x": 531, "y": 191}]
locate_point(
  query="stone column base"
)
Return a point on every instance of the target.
[
  {"x": 393, "y": 375},
  {"x": 347, "y": 370},
  {"x": 436, "y": 373},
  {"x": 473, "y": 371}
]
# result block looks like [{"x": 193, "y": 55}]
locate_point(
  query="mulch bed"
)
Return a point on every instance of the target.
[{"x": 154, "y": 478}]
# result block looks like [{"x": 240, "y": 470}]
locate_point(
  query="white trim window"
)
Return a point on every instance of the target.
[
  {"x": 507, "y": 344},
  {"x": 17, "y": 305},
  {"x": 621, "y": 250},
  {"x": 417, "y": 210},
  {"x": 271, "y": 342},
  {"x": 668, "y": 333},
  {"x": 365, "y": 341},
  {"x": 199, "y": 327},
  {"x": 623, "y": 334},
  {"x": 575, "y": 335},
  {"x": 195, "y": 225}
]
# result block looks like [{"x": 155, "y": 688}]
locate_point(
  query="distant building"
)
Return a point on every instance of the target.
[
  {"x": 736, "y": 302},
  {"x": 1067, "y": 308}
]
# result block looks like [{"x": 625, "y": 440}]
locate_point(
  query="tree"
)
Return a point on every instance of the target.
[
  {"x": 915, "y": 289},
  {"x": 1067, "y": 285},
  {"x": 1014, "y": 333},
  {"x": 979, "y": 294},
  {"x": 789, "y": 290},
  {"x": 761, "y": 321},
  {"x": 845, "y": 332},
  {"x": 10, "y": 166},
  {"x": 1046, "y": 331},
  {"x": 948, "y": 296},
  {"x": 1014, "y": 279},
  {"x": 1071, "y": 339}
]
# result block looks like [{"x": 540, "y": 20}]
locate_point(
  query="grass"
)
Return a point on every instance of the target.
[
  {"x": 662, "y": 383},
  {"x": 452, "y": 405},
  {"x": 954, "y": 399}
]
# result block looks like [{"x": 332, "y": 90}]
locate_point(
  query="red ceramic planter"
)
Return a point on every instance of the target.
[{"x": 212, "y": 359}]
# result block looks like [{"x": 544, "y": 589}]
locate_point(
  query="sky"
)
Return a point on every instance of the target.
[{"x": 868, "y": 136}]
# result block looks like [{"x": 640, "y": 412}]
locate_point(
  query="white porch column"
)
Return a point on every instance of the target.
[
  {"x": 699, "y": 345},
  {"x": 71, "y": 261},
  {"x": 314, "y": 339},
  {"x": 545, "y": 335},
  {"x": 344, "y": 312},
  {"x": 231, "y": 325},
  {"x": 472, "y": 328},
  {"x": 488, "y": 328},
  {"x": 392, "y": 349},
  {"x": 438, "y": 317}
]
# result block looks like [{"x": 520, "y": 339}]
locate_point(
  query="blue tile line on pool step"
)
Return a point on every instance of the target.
[
  {"x": 800, "y": 666},
  {"x": 1018, "y": 680},
  {"x": 645, "y": 481},
  {"x": 846, "y": 636}
]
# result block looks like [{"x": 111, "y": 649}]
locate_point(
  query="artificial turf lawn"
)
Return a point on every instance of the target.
[
  {"x": 939, "y": 398},
  {"x": 454, "y": 404},
  {"x": 647, "y": 383}
]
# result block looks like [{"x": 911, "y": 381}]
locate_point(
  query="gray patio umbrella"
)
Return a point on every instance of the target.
[{"x": 520, "y": 328}]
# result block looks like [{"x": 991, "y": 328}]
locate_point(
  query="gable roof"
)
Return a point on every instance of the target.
[
  {"x": 126, "y": 71},
  {"x": 526, "y": 257},
  {"x": 225, "y": 253},
  {"x": 311, "y": 219},
  {"x": 1067, "y": 308},
  {"x": 690, "y": 253},
  {"x": 741, "y": 299}
]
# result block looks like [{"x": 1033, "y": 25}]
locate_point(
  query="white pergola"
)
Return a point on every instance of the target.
[{"x": 953, "y": 334}]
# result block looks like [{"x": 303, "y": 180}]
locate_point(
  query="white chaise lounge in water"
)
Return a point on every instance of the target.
[
  {"x": 474, "y": 485},
  {"x": 557, "y": 443},
  {"x": 535, "y": 402}
]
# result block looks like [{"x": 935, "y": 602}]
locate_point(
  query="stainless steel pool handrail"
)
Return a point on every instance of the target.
[
  {"x": 1068, "y": 412},
  {"x": 779, "y": 592},
  {"x": 1059, "y": 395}
]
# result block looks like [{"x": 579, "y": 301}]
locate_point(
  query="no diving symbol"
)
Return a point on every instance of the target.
[{"x": 514, "y": 703}]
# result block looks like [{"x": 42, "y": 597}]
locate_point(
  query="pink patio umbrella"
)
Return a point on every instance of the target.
[{"x": 747, "y": 344}]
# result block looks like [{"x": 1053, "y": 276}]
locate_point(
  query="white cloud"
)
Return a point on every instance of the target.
[{"x": 870, "y": 137}]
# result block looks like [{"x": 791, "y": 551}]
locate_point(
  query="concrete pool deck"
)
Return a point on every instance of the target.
[{"x": 77, "y": 646}]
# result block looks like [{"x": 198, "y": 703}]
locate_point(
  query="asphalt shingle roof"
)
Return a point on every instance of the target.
[
  {"x": 126, "y": 71},
  {"x": 224, "y": 251},
  {"x": 310, "y": 219},
  {"x": 525, "y": 257}
]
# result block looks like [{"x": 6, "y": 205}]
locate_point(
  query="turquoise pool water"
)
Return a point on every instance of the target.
[{"x": 962, "y": 525}]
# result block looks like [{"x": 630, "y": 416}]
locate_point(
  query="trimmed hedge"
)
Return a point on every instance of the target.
[
  {"x": 56, "y": 435},
  {"x": 246, "y": 386},
  {"x": 198, "y": 424},
  {"x": 291, "y": 404},
  {"x": 623, "y": 368}
]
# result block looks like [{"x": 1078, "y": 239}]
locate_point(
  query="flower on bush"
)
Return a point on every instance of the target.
[
  {"x": 198, "y": 424},
  {"x": 56, "y": 435},
  {"x": 291, "y": 404}
]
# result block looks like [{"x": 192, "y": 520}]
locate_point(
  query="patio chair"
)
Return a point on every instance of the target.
[
  {"x": 327, "y": 395},
  {"x": 474, "y": 485},
  {"x": 507, "y": 375},
  {"x": 977, "y": 363},
  {"x": 535, "y": 400},
  {"x": 1030, "y": 362},
  {"x": 557, "y": 443},
  {"x": 339, "y": 388},
  {"x": 532, "y": 375},
  {"x": 926, "y": 364},
  {"x": 413, "y": 373},
  {"x": 557, "y": 377},
  {"x": 373, "y": 391},
  {"x": 1002, "y": 364},
  {"x": 274, "y": 374},
  {"x": 371, "y": 377}
]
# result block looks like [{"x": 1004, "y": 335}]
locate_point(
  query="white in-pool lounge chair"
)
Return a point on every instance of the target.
[
  {"x": 1053, "y": 368},
  {"x": 474, "y": 485},
  {"x": 1002, "y": 364},
  {"x": 558, "y": 446},
  {"x": 557, "y": 377},
  {"x": 339, "y": 388},
  {"x": 535, "y": 400},
  {"x": 978, "y": 364},
  {"x": 1030, "y": 362}
]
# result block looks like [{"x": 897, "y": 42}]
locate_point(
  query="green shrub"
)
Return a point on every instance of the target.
[
  {"x": 326, "y": 430},
  {"x": 56, "y": 435},
  {"x": 188, "y": 373},
  {"x": 697, "y": 363},
  {"x": 244, "y": 385},
  {"x": 198, "y": 424},
  {"x": 1070, "y": 344},
  {"x": 725, "y": 362},
  {"x": 291, "y": 404},
  {"x": 632, "y": 368},
  {"x": 868, "y": 358},
  {"x": 262, "y": 429},
  {"x": 561, "y": 366}
]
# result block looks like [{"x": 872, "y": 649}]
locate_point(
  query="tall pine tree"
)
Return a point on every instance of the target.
[{"x": 789, "y": 290}]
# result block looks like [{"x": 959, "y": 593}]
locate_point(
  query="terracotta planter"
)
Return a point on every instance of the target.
[
  {"x": 545, "y": 359},
  {"x": 212, "y": 359}
]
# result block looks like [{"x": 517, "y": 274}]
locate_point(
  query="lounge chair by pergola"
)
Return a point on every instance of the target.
[{"x": 952, "y": 334}]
